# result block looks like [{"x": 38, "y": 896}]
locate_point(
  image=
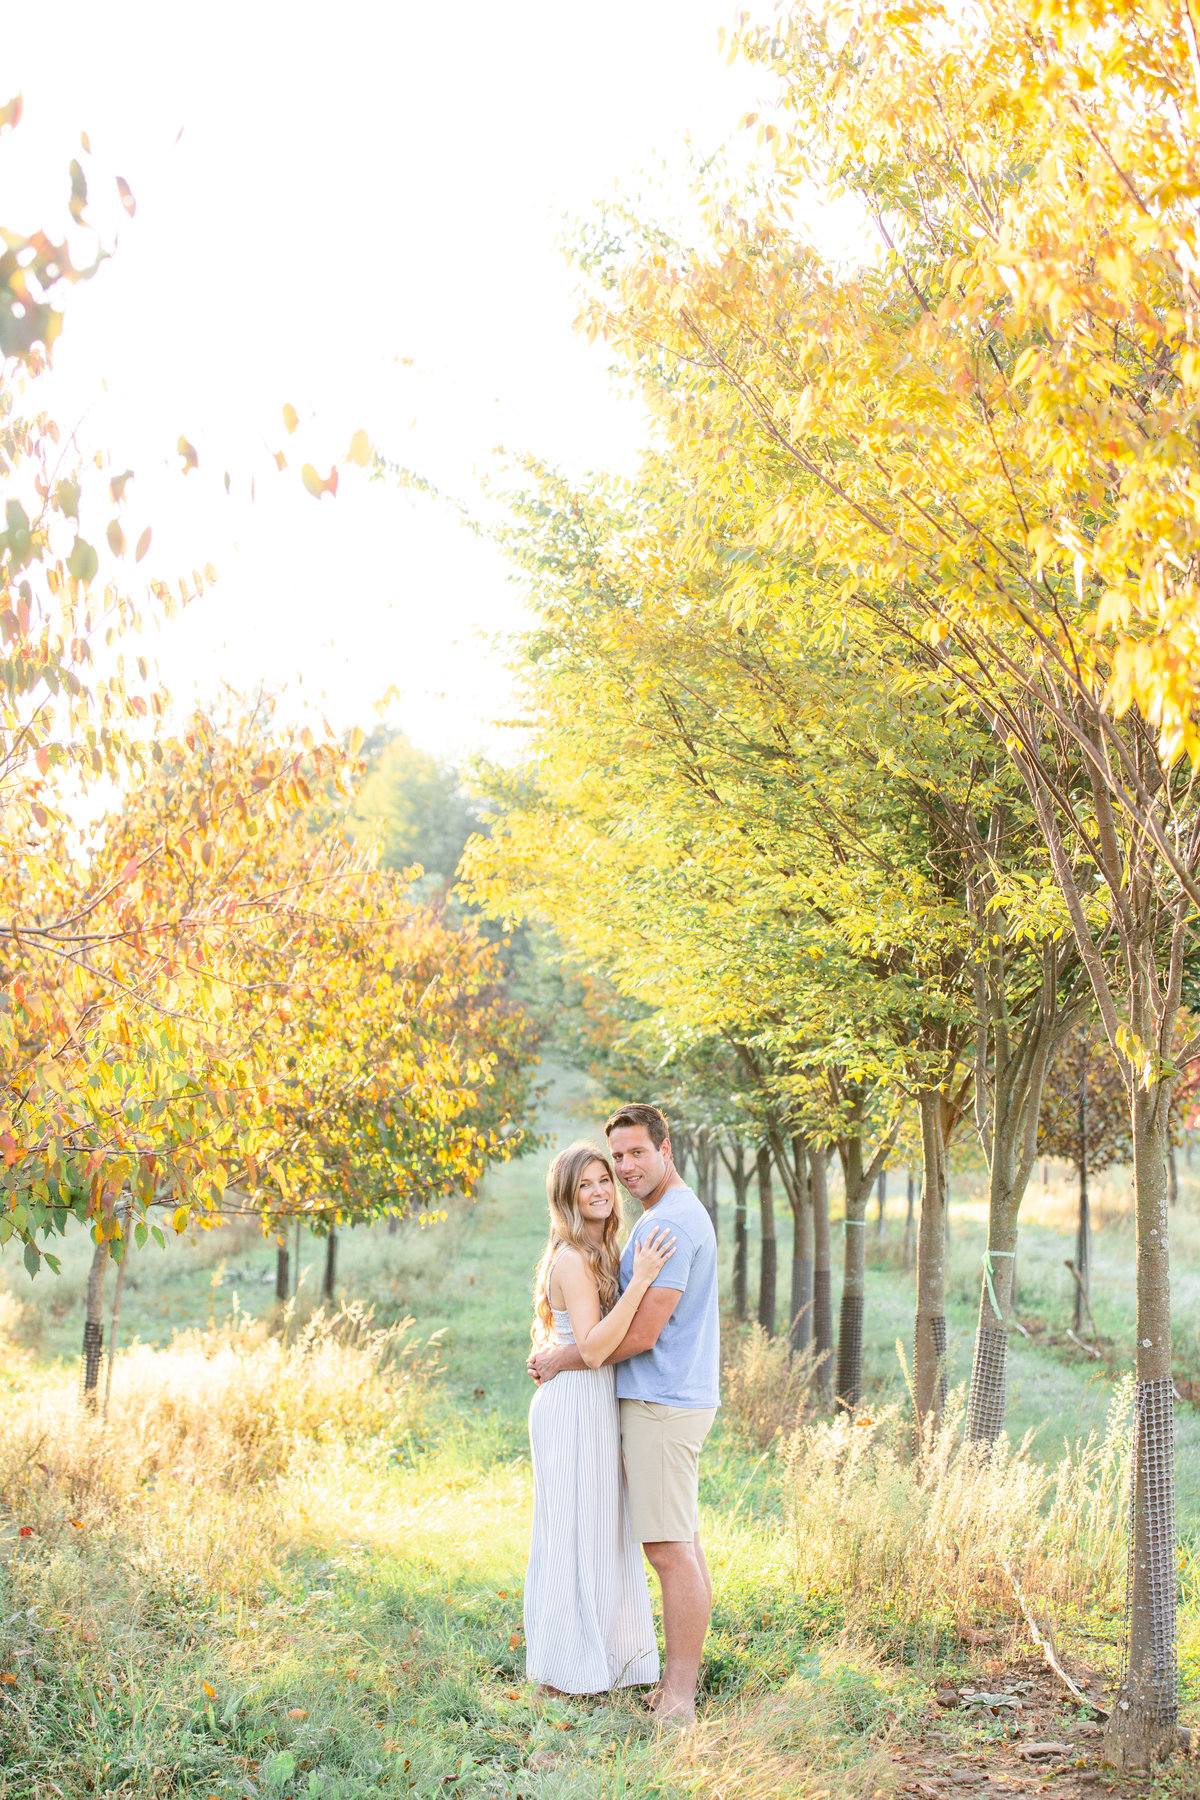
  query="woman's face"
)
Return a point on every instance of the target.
[{"x": 595, "y": 1197}]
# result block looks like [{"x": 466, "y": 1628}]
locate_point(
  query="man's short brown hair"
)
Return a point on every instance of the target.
[{"x": 649, "y": 1116}]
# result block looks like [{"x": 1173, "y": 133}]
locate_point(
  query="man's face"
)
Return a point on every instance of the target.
[{"x": 640, "y": 1167}]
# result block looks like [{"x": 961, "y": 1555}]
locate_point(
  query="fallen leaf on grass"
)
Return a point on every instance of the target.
[
  {"x": 1044, "y": 1749},
  {"x": 514, "y": 1641},
  {"x": 209, "y": 1689},
  {"x": 297, "y": 1712},
  {"x": 8, "y": 1678},
  {"x": 77, "y": 1523},
  {"x": 512, "y": 1694}
]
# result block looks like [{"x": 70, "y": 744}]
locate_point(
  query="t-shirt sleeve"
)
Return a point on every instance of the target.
[{"x": 678, "y": 1266}]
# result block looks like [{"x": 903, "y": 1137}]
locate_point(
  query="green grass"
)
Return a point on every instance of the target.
[
  {"x": 479, "y": 1293},
  {"x": 354, "y": 1628},
  {"x": 347, "y": 1628}
]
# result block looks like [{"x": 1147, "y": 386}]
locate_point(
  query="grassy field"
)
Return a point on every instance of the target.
[{"x": 297, "y": 1571}]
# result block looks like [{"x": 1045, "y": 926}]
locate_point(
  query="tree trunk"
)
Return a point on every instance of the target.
[
  {"x": 881, "y": 1184},
  {"x": 799, "y": 1193},
  {"x": 1142, "y": 1724},
  {"x": 93, "y": 1325},
  {"x": 296, "y": 1275},
  {"x": 740, "y": 1177},
  {"x": 854, "y": 1287},
  {"x": 822, "y": 1273},
  {"x": 282, "y": 1284},
  {"x": 768, "y": 1254},
  {"x": 1172, "y": 1175},
  {"x": 929, "y": 1348},
  {"x": 327, "y": 1284},
  {"x": 115, "y": 1320},
  {"x": 910, "y": 1236},
  {"x": 1083, "y": 1233},
  {"x": 1009, "y": 1131},
  {"x": 989, "y": 1366},
  {"x": 706, "y": 1176},
  {"x": 858, "y": 1183}
]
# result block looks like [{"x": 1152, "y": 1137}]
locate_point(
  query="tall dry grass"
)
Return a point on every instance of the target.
[
  {"x": 767, "y": 1390},
  {"x": 224, "y": 1412},
  {"x": 921, "y": 1544}
]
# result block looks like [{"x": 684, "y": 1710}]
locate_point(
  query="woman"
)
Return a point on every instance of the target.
[{"x": 587, "y": 1609}]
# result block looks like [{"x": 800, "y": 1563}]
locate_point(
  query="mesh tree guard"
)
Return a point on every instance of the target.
[
  {"x": 823, "y": 1327},
  {"x": 801, "y": 1331},
  {"x": 1152, "y": 1665},
  {"x": 935, "y": 1323},
  {"x": 989, "y": 1382},
  {"x": 938, "y": 1327},
  {"x": 849, "y": 1369},
  {"x": 739, "y": 1257},
  {"x": 89, "y": 1369}
]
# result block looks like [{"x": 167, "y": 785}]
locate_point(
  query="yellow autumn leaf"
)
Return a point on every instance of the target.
[{"x": 315, "y": 485}]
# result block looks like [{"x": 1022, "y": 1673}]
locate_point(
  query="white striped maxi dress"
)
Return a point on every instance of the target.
[{"x": 588, "y": 1625}]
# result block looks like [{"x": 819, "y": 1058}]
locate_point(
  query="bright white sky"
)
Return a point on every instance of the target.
[{"x": 353, "y": 186}]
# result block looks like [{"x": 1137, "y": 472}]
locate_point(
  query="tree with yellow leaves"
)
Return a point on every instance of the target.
[
  {"x": 982, "y": 443},
  {"x": 210, "y": 986}
]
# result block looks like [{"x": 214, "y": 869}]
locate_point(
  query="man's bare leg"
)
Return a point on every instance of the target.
[
  {"x": 687, "y": 1604},
  {"x": 654, "y": 1698},
  {"x": 703, "y": 1568}
]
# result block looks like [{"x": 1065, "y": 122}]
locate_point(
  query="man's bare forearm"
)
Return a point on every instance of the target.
[
  {"x": 653, "y": 1313},
  {"x": 648, "y": 1322},
  {"x": 568, "y": 1356}
]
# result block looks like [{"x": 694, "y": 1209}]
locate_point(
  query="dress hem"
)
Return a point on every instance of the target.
[{"x": 611, "y": 1688}]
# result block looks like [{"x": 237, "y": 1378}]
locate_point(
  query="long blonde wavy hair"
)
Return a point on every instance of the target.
[{"x": 563, "y": 1178}]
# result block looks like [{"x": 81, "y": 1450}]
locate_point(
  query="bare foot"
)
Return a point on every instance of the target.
[
  {"x": 653, "y": 1700},
  {"x": 675, "y": 1712},
  {"x": 546, "y": 1692}
]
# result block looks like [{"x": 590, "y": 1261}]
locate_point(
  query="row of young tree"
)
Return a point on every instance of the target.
[
  {"x": 864, "y": 718},
  {"x": 716, "y": 1134},
  {"x": 215, "y": 993}
]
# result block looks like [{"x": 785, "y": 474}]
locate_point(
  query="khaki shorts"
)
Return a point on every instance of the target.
[{"x": 660, "y": 1447}]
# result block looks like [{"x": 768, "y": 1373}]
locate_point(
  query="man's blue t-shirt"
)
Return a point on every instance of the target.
[{"x": 683, "y": 1368}]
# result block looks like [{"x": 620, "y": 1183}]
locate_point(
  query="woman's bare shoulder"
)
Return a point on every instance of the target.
[{"x": 572, "y": 1263}]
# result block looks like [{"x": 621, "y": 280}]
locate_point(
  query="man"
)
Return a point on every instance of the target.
[{"x": 667, "y": 1385}]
